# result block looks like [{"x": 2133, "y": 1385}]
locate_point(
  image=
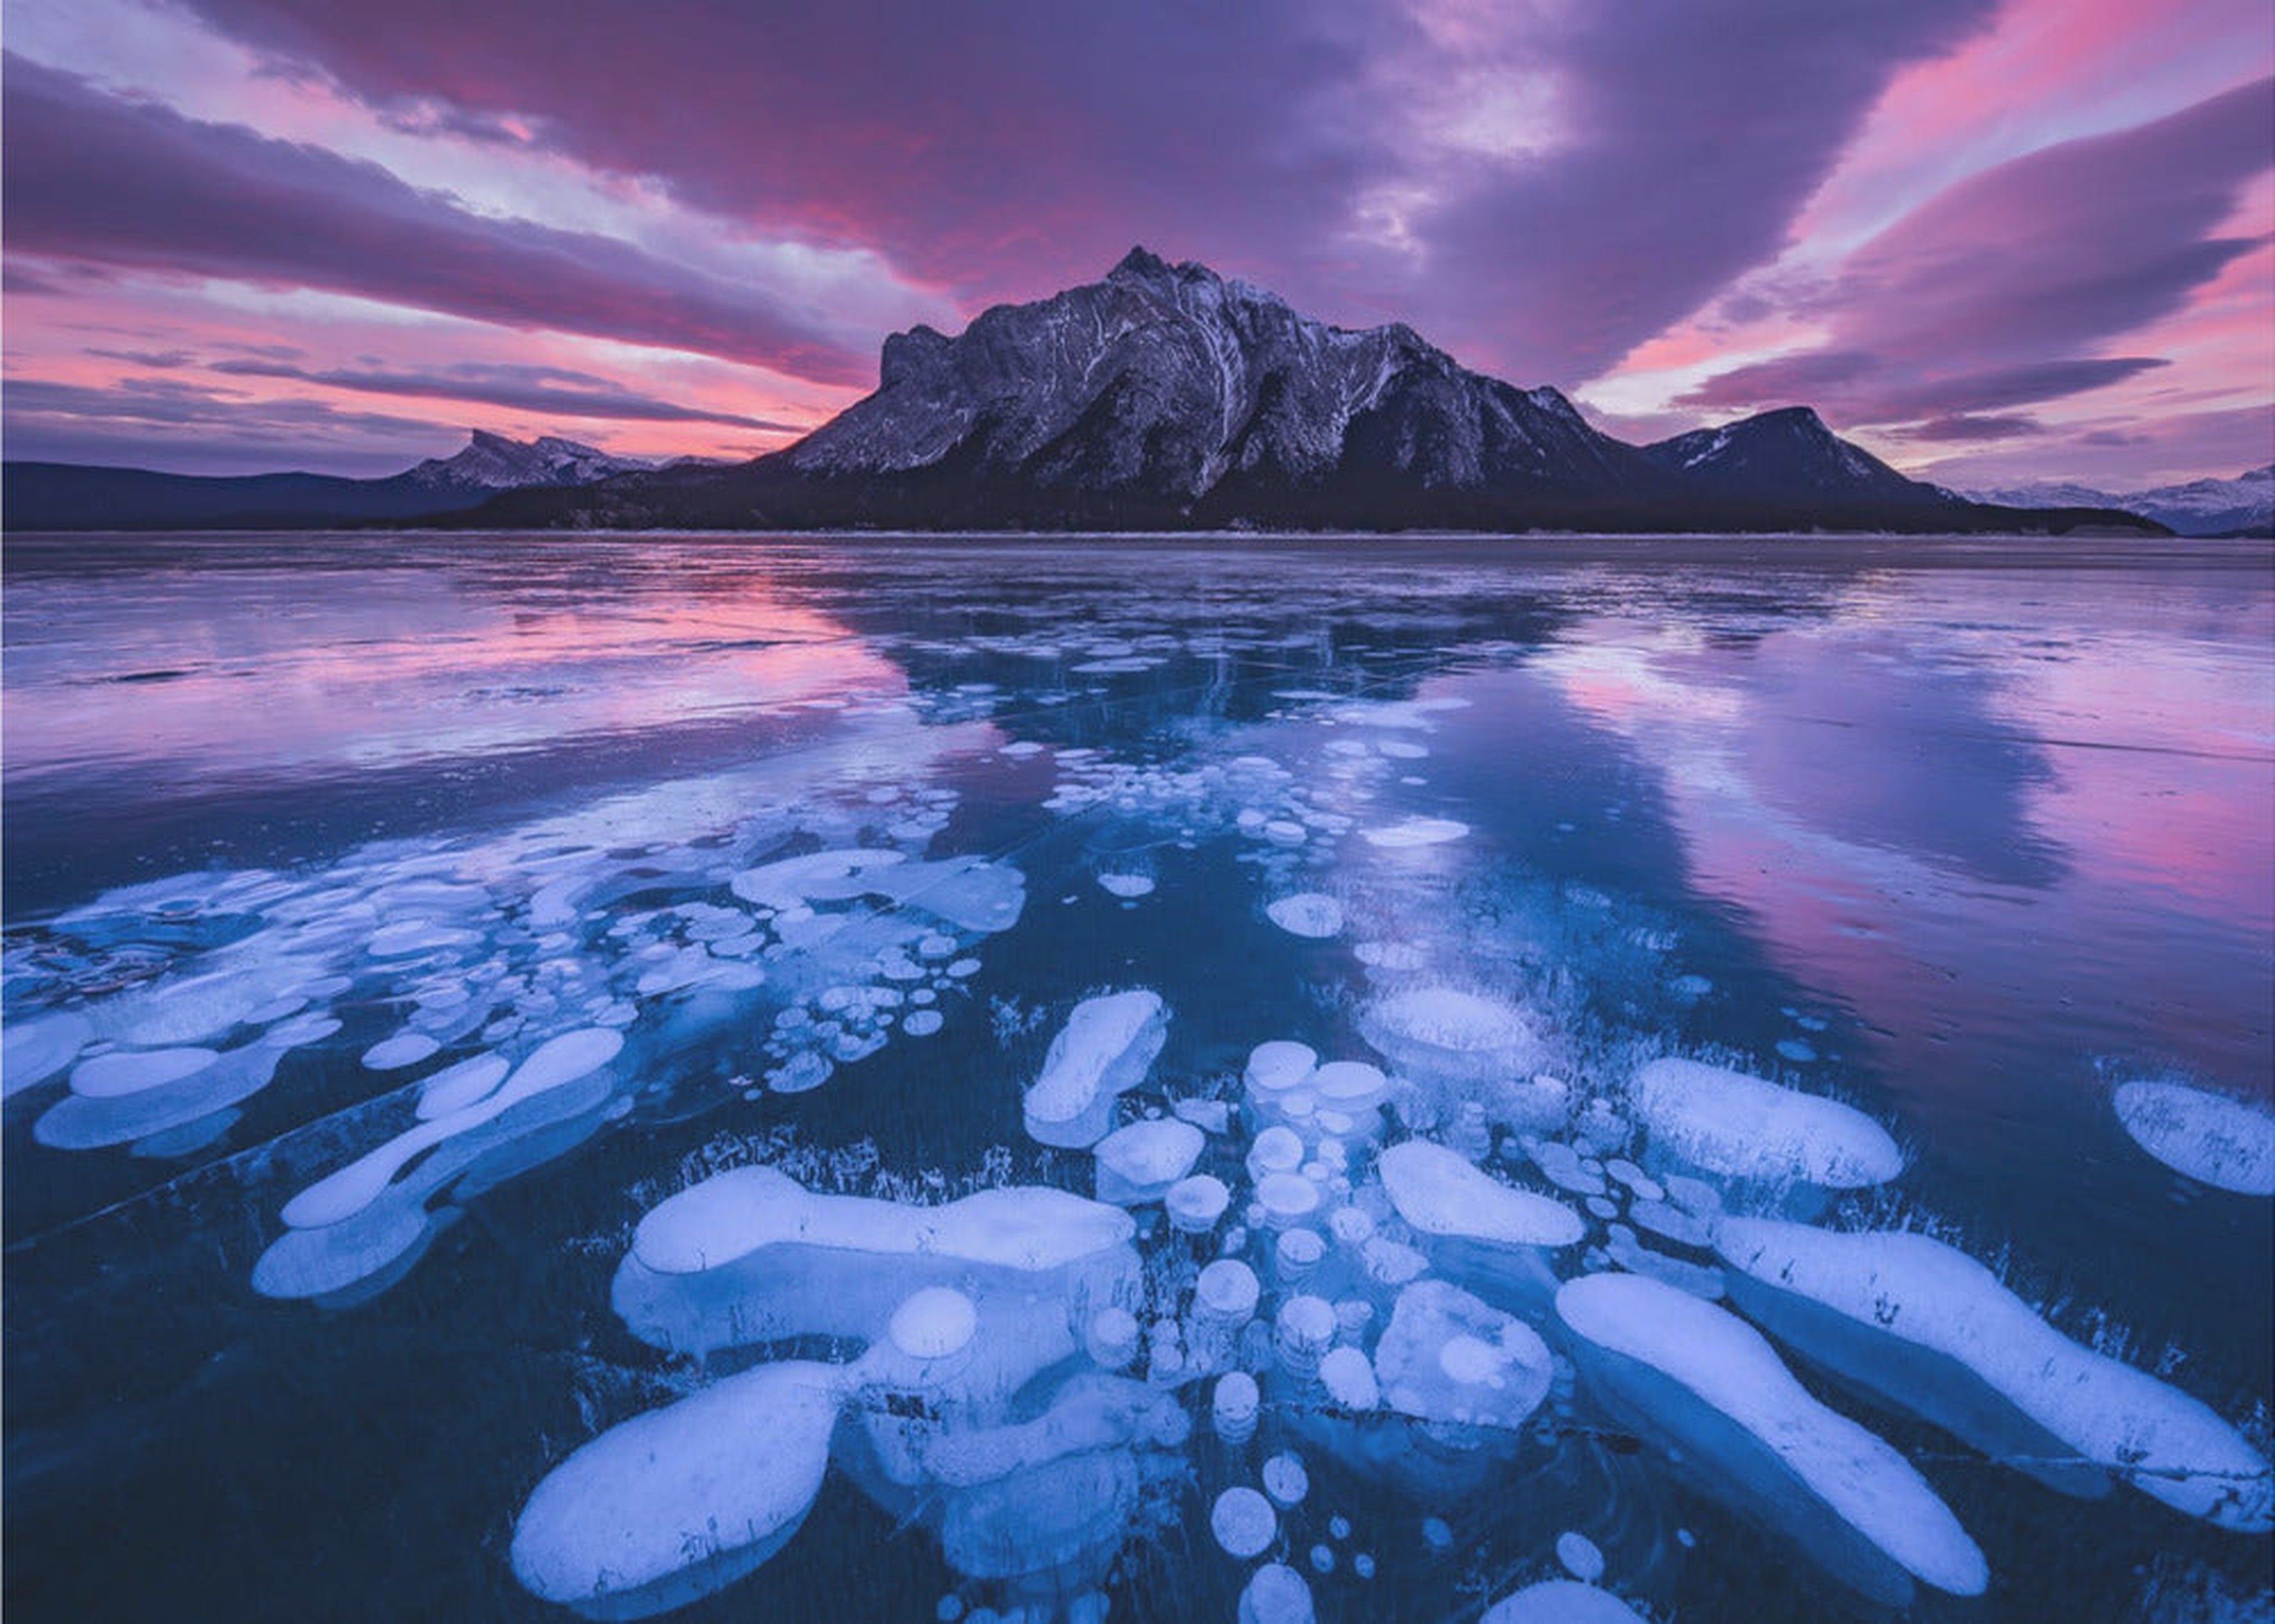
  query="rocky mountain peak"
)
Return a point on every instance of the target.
[{"x": 1171, "y": 383}]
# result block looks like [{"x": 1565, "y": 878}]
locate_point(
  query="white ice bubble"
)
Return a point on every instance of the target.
[
  {"x": 35, "y": 1049},
  {"x": 1869, "y": 1304},
  {"x": 1445, "y": 1357},
  {"x": 1561, "y": 1601},
  {"x": 1127, "y": 885},
  {"x": 1276, "y": 1594},
  {"x": 922, "y": 1023},
  {"x": 1243, "y": 1523},
  {"x": 1197, "y": 1203},
  {"x": 555, "y": 1064},
  {"x": 130, "y": 1071},
  {"x": 1139, "y": 1163},
  {"x": 1747, "y": 1126},
  {"x": 1285, "y": 1480},
  {"x": 817, "y": 876},
  {"x": 1111, "y": 1338},
  {"x": 700, "y": 1491},
  {"x": 402, "y": 1049},
  {"x": 2227, "y": 1144},
  {"x": 1580, "y": 1557},
  {"x": 1409, "y": 834},
  {"x": 454, "y": 1088},
  {"x": 1448, "y": 1035},
  {"x": 1440, "y": 1193},
  {"x": 1348, "y": 1376},
  {"x": 1233, "y": 1407},
  {"x": 1106, "y": 1047},
  {"x": 1307, "y": 914},
  {"x": 1678, "y": 1360},
  {"x": 933, "y": 1323}
]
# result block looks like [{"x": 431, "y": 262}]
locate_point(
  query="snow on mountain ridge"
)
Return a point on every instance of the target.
[
  {"x": 2198, "y": 507},
  {"x": 493, "y": 461},
  {"x": 1172, "y": 380}
]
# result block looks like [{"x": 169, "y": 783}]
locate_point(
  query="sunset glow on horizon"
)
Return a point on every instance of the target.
[{"x": 1993, "y": 240}]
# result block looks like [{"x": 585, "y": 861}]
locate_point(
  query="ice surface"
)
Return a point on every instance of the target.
[
  {"x": 1935, "y": 1331},
  {"x": 1561, "y": 1601},
  {"x": 1447, "y": 1357},
  {"x": 1107, "y": 1045},
  {"x": 1139, "y": 1164},
  {"x": 1307, "y": 914},
  {"x": 1747, "y": 1126},
  {"x": 673, "y": 1504},
  {"x": 2227, "y": 1144},
  {"x": 1706, "y": 1381}
]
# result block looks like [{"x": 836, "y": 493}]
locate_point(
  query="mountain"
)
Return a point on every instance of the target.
[
  {"x": 1161, "y": 397},
  {"x": 1789, "y": 453},
  {"x": 73, "y": 497},
  {"x": 1166, "y": 396},
  {"x": 2244, "y": 505},
  {"x": 1170, "y": 390},
  {"x": 493, "y": 463}
]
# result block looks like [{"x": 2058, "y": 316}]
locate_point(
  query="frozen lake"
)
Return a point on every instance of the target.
[{"x": 748, "y": 1078}]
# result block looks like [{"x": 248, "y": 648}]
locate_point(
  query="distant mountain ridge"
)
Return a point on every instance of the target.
[
  {"x": 1161, "y": 397},
  {"x": 2244, "y": 505},
  {"x": 35, "y": 495},
  {"x": 1168, "y": 397}
]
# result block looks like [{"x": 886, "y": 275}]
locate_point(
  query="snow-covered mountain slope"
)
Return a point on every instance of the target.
[
  {"x": 1174, "y": 383},
  {"x": 1785, "y": 455},
  {"x": 2244, "y": 504},
  {"x": 492, "y": 462}
]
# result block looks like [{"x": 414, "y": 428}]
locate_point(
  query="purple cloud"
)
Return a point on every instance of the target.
[
  {"x": 1962, "y": 429},
  {"x": 92, "y": 176},
  {"x": 1008, "y": 153},
  {"x": 194, "y": 428},
  {"x": 548, "y": 390},
  {"x": 1000, "y": 152},
  {"x": 1992, "y": 294}
]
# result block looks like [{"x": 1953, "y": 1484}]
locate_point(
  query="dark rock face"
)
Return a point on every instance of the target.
[
  {"x": 1185, "y": 393},
  {"x": 1785, "y": 455}
]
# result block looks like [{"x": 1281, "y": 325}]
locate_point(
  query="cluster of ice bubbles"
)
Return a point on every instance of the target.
[
  {"x": 1406, "y": 1264},
  {"x": 1319, "y": 1281},
  {"x": 580, "y": 960}
]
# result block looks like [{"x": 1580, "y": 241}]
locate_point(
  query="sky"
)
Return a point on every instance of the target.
[{"x": 1992, "y": 240}]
